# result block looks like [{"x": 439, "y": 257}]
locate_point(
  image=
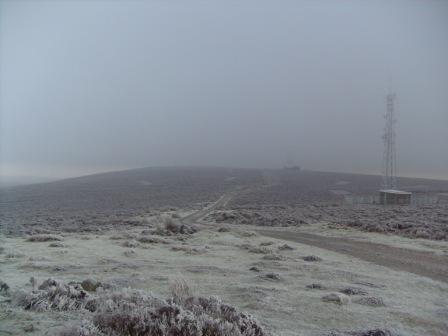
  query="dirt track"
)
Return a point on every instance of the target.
[
  {"x": 196, "y": 216},
  {"x": 417, "y": 262}
]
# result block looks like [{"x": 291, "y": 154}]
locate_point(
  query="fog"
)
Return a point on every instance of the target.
[{"x": 89, "y": 86}]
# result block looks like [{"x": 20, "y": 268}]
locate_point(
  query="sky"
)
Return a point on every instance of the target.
[{"x": 90, "y": 86}]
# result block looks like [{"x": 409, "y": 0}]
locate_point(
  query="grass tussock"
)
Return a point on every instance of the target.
[
  {"x": 152, "y": 240},
  {"x": 189, "y": 249},
  {"x": 255, "y": 249},
  {"x": 4, "y": 288},
  {"x": 43, "y": 238},
  {"x": 180, "y": 290}
]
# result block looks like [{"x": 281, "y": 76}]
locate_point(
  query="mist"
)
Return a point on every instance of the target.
[{"x": 90, "y": 86}]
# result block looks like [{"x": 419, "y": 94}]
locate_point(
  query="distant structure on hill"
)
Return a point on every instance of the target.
[
  {"x": 291, "y": 165},
  {"x": 388, "y": 193},
  {"x": 295, "y": 168},
  {"x": 395, "y": 197}
]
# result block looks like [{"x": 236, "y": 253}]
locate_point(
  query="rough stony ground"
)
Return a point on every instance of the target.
[{"x": 293, "y": 289}]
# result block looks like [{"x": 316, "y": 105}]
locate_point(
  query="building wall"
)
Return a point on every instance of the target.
[{"x": 394, "y": 199}]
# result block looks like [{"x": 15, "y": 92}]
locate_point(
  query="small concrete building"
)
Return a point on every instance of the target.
[{"x": 395, "y": 197}]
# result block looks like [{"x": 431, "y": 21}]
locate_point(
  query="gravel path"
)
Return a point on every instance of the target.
[{"x": 418, "y": 262}]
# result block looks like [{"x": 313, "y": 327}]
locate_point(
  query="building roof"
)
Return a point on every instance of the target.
[{"x": 396, "y": 192}]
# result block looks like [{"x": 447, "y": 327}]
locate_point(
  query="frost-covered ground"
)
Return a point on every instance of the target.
[
  {"x": 97, "y": 227},
  {"x": 256, "y": 274}
]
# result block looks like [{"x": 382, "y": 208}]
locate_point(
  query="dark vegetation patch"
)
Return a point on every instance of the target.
[
  {"x": 316, "y": 286},
  {"x": 312, "y": 258},
  {"x": 369, "y": 332},
  {"x": 371, "y": 301},
  {"x": 52, "y": 295},
  {"x": 274, "y": 257},
  {"x": 255, "y": 249},
  {"x": 90, "y": 285},
  {"x": 43, "y": 238},
  {"x": 297, "y": 198},
  {"x": 264, "y": 216},
  {"x": 271, "y": 276},
  {"x": 130, "y": 244},
  {"x": 56, "y": 244},
  {"x": 138, "y": 313},
  {"x": 189, "y": 250},
  {"x": 286, "y": 247},
  {"x": 353, "y": 291},
  {"x": 428, "y": 222},
  {"x": 168, "y": 226},
  {"x": 100, "y": 202},
  {"x": 4, "y": 288}
]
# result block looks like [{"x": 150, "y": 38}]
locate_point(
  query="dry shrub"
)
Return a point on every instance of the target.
[
  {"x": 353, "y": 291},
  {"x": 90, "y": 285},
  {"x": 137, "y": 313},
  {"x": 255, "y": 249},
  {"x": 4, "y": 287},
  {"x": 316, "y": 286},
  {"x": 189, "y": 250},
  {"x": 247, "y": 234},
  {"x": 141, "y": 315},
  {"x": 180, "y": 290},
  {"x": 274, "y": 257},
  {"x": 56, "y": 244},
  {"x": 130, "y": 244},
  {"x": 312, "y": 258},
  {"x": 43, "y": 238},
  {"x": 285, "y": 247},
  {"x": 129, "y": 253},
  {"x": 267, "y": 243},
  {"x": 152, "y": 240},
  {"x": 372, "y": 332},
  {"x": 122, "y": 236},
  {"x": 173, "y": 226},
  {"x": 337, "y": 298},
  {"x": 85, "y": 328},
  {"x": 13, "y": 255},
  {"x": 52, "y": 295},
  {"x": 371, "y": 301},
  {"x": 271, "y": 276}
]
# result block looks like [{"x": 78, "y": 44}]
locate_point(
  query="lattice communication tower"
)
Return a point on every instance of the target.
[{"x": 390, "y": 154}]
